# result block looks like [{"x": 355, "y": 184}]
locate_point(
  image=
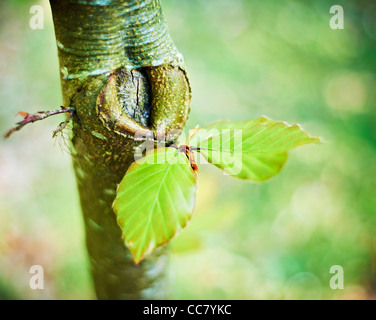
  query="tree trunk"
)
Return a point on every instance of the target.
[{"x": 123, "y": 75}]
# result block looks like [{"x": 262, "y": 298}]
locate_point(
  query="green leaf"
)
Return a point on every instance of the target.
[
  {"x": 155, "y": 200},
  {"x": 255, "y": 150}
]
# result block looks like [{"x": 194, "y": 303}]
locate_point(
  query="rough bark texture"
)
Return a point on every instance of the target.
[{"x": 123, "y": 75}]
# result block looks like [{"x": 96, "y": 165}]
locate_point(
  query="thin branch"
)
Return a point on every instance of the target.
[{"x": 40, "y": 115}]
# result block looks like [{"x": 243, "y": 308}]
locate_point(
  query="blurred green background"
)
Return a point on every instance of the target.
[{"x": 246, "y": 58}]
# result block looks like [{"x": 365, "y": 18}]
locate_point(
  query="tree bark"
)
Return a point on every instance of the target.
[{"x": 123, "y": 75}]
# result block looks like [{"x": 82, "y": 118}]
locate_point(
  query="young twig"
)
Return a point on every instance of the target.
[
  {"x": 62, "y": 125},
  {"x": 40, "y": 115}
]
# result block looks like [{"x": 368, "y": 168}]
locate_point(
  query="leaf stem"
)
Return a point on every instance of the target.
[{"x": 199, "y": 149}]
